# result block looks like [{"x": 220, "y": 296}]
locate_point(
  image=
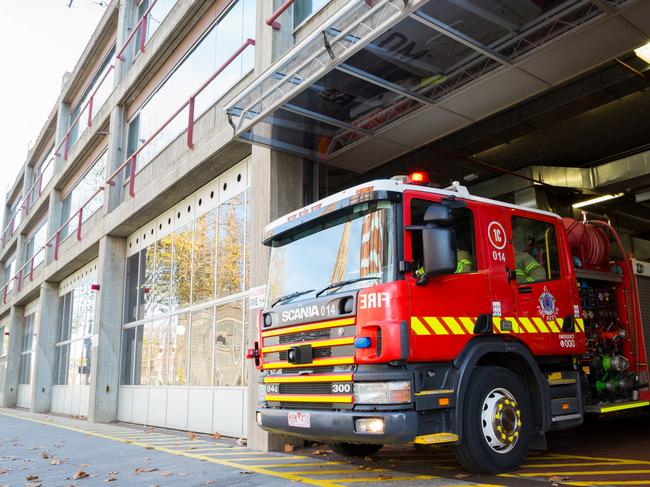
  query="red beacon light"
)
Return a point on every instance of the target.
[{"x": 419, "y": 177}]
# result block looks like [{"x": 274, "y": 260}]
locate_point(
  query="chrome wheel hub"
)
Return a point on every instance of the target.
[{"x": 501, "y": 420}]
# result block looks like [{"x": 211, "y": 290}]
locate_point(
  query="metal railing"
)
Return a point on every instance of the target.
[
  {"x": 140, "y": 26},
  {"x": 55, "y": 240}
]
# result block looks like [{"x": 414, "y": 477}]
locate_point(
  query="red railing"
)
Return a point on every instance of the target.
[
  {"x": 89, "y": 105},
  {"x": 55, "y": 240},
  {"x": 141, "y": 27}
]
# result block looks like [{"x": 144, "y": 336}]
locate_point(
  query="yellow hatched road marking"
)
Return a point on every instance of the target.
[
  {"x": 418, "y": 327},
  {"x": 220, "y": 461},
  {"x": 468, "y": 323},
  {"x": 315, "y": 344},
  {"x": 435, "y": 325},
  {"x": 453, "y": 325},
  {"x": 610, "y": 482},
  {"x": 309, "y": 378},
  {"x": 583, "y": 464},
  {"x": 382, "y": 479},
  {"x": 539, "y": 323},
  {"x": 283, "y": 465},
  {"x": 332, "y": 472},
  {"x": 528, "y": 325},
  {"x": 603, "y": 459},
  {"x": 582, "y": 472},
  {"x": 310, "y": 327},
  {"x": 275, "y": 457}
]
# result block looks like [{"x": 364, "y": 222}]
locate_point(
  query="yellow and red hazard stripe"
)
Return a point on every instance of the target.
[{"x": 464, "y": 325}]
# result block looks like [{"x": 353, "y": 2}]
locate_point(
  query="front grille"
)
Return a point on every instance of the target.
[
  {"x": 322, "y": 352},
  {"x": 321, "y": 370},
  {"x": 306, "y": 388},
  {"x": 306, "y": 336}
]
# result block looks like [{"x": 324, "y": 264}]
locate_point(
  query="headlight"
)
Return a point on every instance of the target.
[{"x": 382, "y": 392}]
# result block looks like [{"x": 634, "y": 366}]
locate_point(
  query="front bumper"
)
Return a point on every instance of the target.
[{"x": 399, "y": 426}]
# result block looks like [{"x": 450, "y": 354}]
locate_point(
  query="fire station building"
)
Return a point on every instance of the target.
[{"x": 131, "y": 263}]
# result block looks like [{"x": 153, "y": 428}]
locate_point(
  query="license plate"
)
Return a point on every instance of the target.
[{"x": 299, "y": 420}]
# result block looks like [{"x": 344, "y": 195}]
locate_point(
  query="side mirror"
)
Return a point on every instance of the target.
[{"x": 439, "y": 246}]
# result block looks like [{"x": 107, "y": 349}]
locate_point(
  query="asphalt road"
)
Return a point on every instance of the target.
[{"x": 43, "y": 451}]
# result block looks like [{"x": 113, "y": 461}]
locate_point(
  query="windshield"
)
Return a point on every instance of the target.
[{"x": 357, "y": 246}]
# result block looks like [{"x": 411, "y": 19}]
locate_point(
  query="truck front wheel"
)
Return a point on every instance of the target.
[
  {"x": 497, "y": 422},
  {"x": 355, "y": 450}
]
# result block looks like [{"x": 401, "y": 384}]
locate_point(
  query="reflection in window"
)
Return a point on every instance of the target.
[
  {"x": 131, "y": 371},
  {"x": 75, "y": 328},
  {"x": 155, "y": 352},
  {"x": 201, "y": 347},
  {"x": 228, "y": 345},
  {"x": 156, "y": 16},
  {"x": 210, "y": 53},
  {"x": 25, "y": 366},
  {"x": 44, "y": 171},
  {"x": 182, "y": 270},
  {"x": 177, "y": 349},
  {"x": 34, "y": 246},
  {"x": 131, "y": 288},
  {"x": 204, "y": 259},
  {"x": 304, "y": 8},
  {"x": 81, "y": 193},
  {"x": 230, "y": 260}
]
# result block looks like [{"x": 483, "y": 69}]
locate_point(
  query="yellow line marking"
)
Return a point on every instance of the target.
[
  {"x": 332, "y": 472},
  {"x": 275, "y": 457},
  {"x": 382, "y": 479},
  {"x": 309, "y": 378},
  {"x": 207, "y": 448},
  {"x": 621, "y": 407},
  {"x": 585, "y": 464},
  {"x": 418, "y": 327},
  {"x": 223, "y": 454},
  {"x": 312, "y": 326},
  {"x": 528, "y": 325},
  {"x": 468, "y": 324},
  {"x": 582, "y": 472},
  {"x": 610, "y": 482},
  {"x": 453, "y": 325},
  {"x": 435, "y": 325},
  {"x": 224, "y": 462},
  {"x": 282, "y": 465},
  {"x": 315, "y": 344},
  {"x": 603, "y": 459}
]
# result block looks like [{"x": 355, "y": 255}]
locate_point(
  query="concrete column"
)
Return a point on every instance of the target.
[
  {"x": 114, "y": 195},
  {"x": 44, "y": 347},
  {"x": 276, "y": 187},
  {"x": 10, "y": 389},
  {"x": 124, "y": 16},
  {"x": 105, "y": 364}
]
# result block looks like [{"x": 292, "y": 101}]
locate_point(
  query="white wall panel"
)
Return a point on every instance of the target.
[
  {"x": 157, "y": 408},
  {"x": 177, "y": 400},
  {"x": 199, "y": 415},
  {"x": 125, "y": 404},
  {"x": 24, "y": 396},
  {"x": 140, "y": 405},
  {"x": 228, "y": 415}
]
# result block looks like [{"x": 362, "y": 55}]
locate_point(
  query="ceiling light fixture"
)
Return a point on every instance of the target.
[
  {"x": 599, "y": 199},
  {"x": 644, "y": 52}
]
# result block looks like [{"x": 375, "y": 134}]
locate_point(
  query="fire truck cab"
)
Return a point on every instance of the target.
[{"x": 398, "y": 313}]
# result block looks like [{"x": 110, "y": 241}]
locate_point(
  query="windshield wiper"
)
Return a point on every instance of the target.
[
  {"x": 345, "y": 283},
  {"x": 289, "y": 296}
]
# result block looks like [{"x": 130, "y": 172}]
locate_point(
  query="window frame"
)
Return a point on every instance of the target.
[{"x": 560, "y": 271}]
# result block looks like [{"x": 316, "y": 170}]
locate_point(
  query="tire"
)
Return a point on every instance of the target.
[
  {"x": 355, "y": 450},
  {"x": 497, "y": 422}
]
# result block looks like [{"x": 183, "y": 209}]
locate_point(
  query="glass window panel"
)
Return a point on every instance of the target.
[
  {"x": 182, "y": 269},
  {"x": 230, "y": 255},
  {"x": 127, "y": 357},
  {"x": 131, "y": 288},
  {"x": 177, "y": 349},
  {"x": 85, "y": 365},
  {"x": 201, "y": 347},
  {"x": 74, "y": 363},
  {"x": 204, "y": 258},
  {"x": 304, "y": 8},
  {"x": 156, "y": 339},
  {"x": 148, "y": 287},
  {"x": 61, "y": 370},
  {"x": 228, "y": 345},
  {"x": 25, "y": 368},
  {"x": 536, "y": 255},
  {"x": 163, "y": 275},
  {"x": 137, "y": 356}
]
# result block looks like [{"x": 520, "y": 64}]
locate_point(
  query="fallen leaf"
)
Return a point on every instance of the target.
[
  {"x": 31, "y": 477},
  {"x": 79, "y": 475},
  {"x": 384, "y": 476},
  {"x": 207, "y": 482},
  {"x": 110, "y": 478},
  {"x": 139, "y": 470},
  {"x": 245, "y": 472},
  {"x": 55, "y": 461},
  {"x": 166, "y": 474},
  {"x": 558, "y": 478},
  {"x": 461, "y": 475},
  {"x": 288, "y": 448},
  {"x": 44, "y": 454},
  {"x": 148, "y": 447},
  {"x": 84, "y": 465},
  {"x": 192, "y": 436},
  {"x": 216, "y": 435},
  {"x": 35, "y": 483},
  {"x": 322, "y": 452},
  {"x": 3, "y": 471}
]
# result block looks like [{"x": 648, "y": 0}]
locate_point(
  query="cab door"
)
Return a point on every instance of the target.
[
  {"x": 545, "y": 293},
  {"x": 444, "y": 310}
]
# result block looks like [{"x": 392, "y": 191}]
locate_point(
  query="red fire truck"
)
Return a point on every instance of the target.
[{"x": 398, "y": 313}]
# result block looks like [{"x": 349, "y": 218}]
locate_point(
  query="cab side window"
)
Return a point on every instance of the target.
[
  {"x": 463, "y": 225},
  {"x": 535, "y": 246}
]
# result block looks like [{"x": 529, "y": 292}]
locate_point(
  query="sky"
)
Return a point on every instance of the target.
[{"x": 39, "y": 41}]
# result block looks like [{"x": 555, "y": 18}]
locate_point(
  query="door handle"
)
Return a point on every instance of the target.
[{"x": 525, "y": 290}]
